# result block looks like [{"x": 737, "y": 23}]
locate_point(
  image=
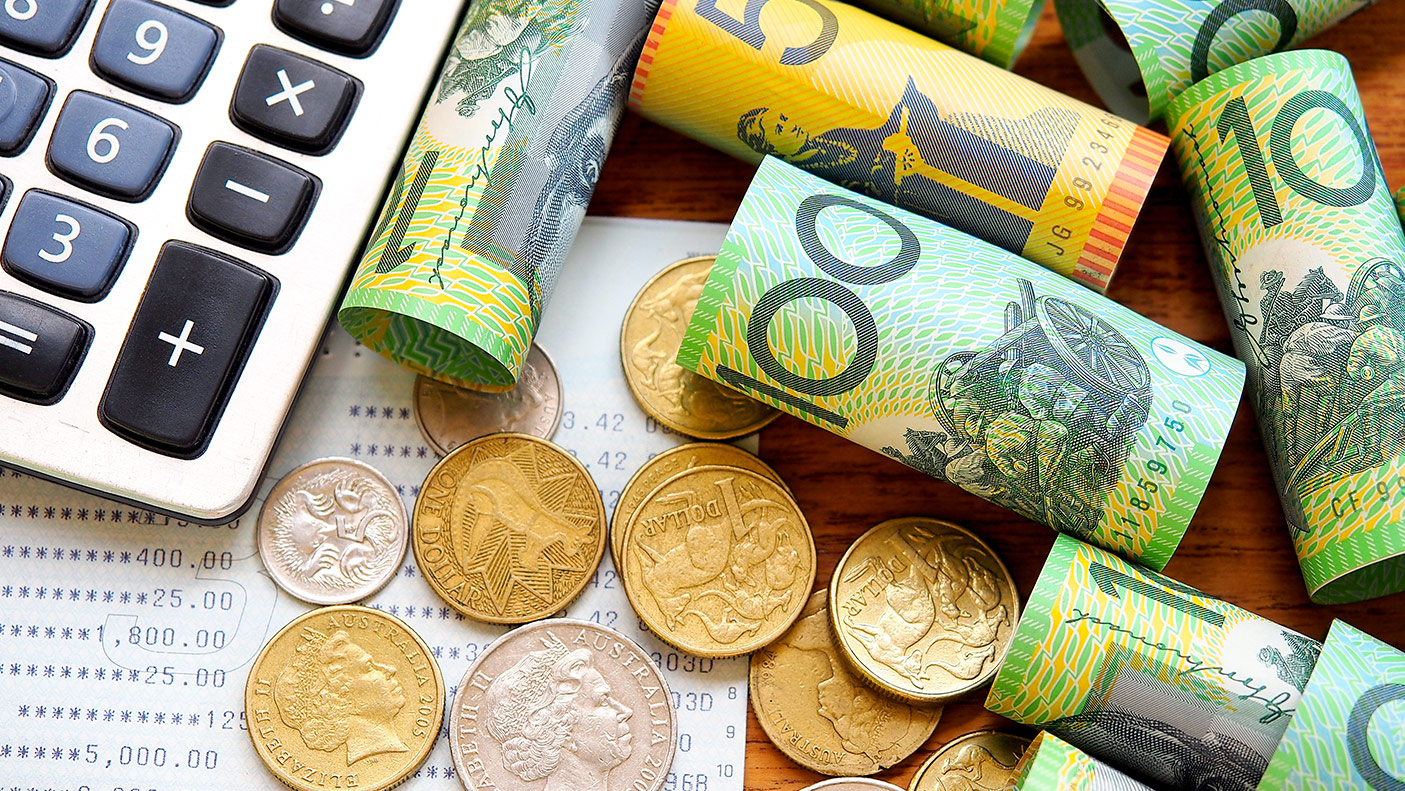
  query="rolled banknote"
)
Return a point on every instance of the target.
[
  {"x": 871, "y": 106},
  {"x": 993, "y": 30},
  {"x": 1052, "y": 764},
  {"x": 1179, "y": 689},
  {"x": 1349, "y": 728},
  {"x": 494, "y": 186},
  {"x": 963, "y": 361},
  {"x": 1140, "y": 54},
  {"x": 1309, "y": 257},
  {"x": 1400, "y": 204}
]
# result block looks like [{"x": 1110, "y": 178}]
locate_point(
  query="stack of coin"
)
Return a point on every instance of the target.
[
  {"x": 822, "y": 717},
  {"x": 508, "y": 528},
  {"x": 922, "y": 609},
  {"x": 344, "y": 697},
  {"x": 332, "y": 531},
  {"x": 668, "y": 464},
  {"x": 680, "y": 399},
  {"x": 980, "y": 761},
  {"x": 718, "y": 560},
  {"x": 449, "y": 416},
  {"x": 571, "y": 702}
]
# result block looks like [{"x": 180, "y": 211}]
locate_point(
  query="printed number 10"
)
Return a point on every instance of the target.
[
  {"x": 831, "y": 291},
  {"x": 1235, "y": 119}
]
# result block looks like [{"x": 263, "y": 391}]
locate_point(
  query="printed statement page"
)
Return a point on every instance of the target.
[{"x": 126, "y": 637}]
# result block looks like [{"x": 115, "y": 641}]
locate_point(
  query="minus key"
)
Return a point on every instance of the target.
[{"x": 251, "y": 199}]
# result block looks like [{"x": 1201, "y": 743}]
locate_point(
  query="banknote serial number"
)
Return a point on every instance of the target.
[
  {"x": 1355, "y": 500},
  {"x": 1157, "y": 472},
  {"x": 1095, "y": 159}
]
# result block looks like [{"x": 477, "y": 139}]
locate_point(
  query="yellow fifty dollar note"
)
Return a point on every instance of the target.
[{"x": 874, "y": 107}]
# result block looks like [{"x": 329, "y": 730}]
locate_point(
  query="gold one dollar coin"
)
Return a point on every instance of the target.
[
  {"x": 822, "y": 717},
  {"x": 668, "y": 464},
  {"x": 923, "y": 609},
  {"x": 680, "y": 399},
  {"x": 980, "y": 761},
  {"x": 344, "y": 697},
  {"x": 508, "y": 528},
  {"x": 718, "y": 561}
]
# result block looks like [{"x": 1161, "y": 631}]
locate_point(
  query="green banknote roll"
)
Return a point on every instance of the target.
[
  {"x": 963, "y": 361},
  {"x": 1140, "y": 54},
  {"x": 1349, "y": 732},
  {"x": 1308, "y": 254},
  {"x": 1052, "y": 764},
  {"x": 1179, "y": 689},
  {"x": 993, "y": 30},
  {"x": 494, "y": 186},
  {"x": 1400, "y": 204}
]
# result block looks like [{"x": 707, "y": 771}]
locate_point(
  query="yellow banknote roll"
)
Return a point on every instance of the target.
[{"x": 889, "y": 113}]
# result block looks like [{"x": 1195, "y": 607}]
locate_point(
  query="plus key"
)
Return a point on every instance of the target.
[
  {"x": 185, "y": 349},
  {"x": 293, "y": 101}
]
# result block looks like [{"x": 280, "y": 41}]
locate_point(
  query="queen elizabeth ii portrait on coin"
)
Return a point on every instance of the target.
[
  {"x": 555, "y": 717},
  {"x": 333, "y": 693},
  {"x": 866, "y": 724}
]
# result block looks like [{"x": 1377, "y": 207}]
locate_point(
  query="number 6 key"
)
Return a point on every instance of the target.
[{"x": 109, "y": 147}]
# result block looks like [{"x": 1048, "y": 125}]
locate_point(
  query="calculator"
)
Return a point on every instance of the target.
[{"x": 186, "y": 185}]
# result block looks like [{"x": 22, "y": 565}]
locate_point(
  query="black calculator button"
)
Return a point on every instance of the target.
[
  {"x": 65, "y": 247},
  {"x": 293, "y": 101},
  {"x": 251, "y": 199},
  {"x": 185, "y": 349},
  {"x": 40, "y": 349},
  {"x": 351, "y": 27},
  {"x": 110, "y": 147},
  {"x": 154, "y": 50},
  {"x": 42, "y": 27},
  {"x": 24, "y": 96}
]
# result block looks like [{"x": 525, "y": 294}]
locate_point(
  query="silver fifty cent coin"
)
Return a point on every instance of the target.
[
  {"x": 449, "y": 416},
  {"x": 333, "y": 531},
  {"x": 570, "y": 702},
  {"x": 852, "y": 784}
]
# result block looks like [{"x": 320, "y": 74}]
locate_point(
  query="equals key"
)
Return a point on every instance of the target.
[{"x": 251, "y": 199}]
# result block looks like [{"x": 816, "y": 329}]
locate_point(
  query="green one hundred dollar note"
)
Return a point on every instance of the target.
[
  {"x": 964, "y": 361},
  {"x": 1052, "y": 764},
  {"x": 993, "y": 30},
  {"x": 1162, "y": 47},
  {"x": 1177, "y": 688},
  {"x": 494, "y": 186},
  {"x": 1349, "y": 732},
  {"x": 1308, "y": 254}
]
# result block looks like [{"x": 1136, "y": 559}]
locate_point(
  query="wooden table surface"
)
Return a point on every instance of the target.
[{"x": 1237, "y": 547}]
